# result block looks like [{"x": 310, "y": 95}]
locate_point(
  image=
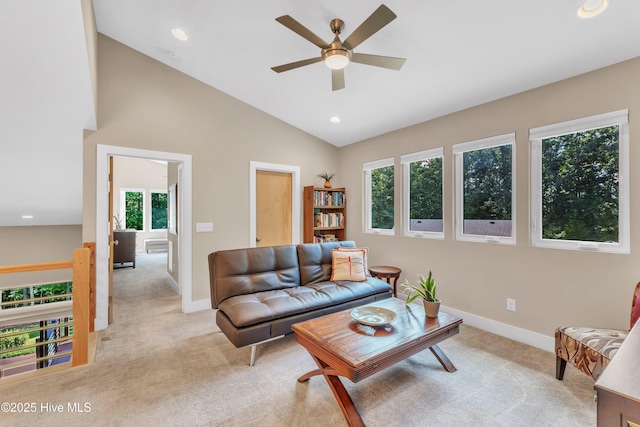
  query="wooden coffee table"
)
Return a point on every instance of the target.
[{"x": 341, "y": 346}]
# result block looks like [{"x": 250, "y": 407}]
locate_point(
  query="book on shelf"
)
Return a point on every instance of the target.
[
  {"x": 328, "y": 198},
  {"x": 322, "y": 238},
  {"x": 328, "y": 219}
]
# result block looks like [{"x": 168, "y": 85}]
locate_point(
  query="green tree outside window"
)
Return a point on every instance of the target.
[
  {"x": 158, "y": 211},
  {"x": 580, "y": 186},
  {"x": 425, "y": 197},
  {"x": 382, "y": 198},
  {"x": 134, "y": 210},
  {"x": 487, "y": 183}
]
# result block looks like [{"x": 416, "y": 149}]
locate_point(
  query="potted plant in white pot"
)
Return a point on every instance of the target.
[{"x": 425, "y": 289}]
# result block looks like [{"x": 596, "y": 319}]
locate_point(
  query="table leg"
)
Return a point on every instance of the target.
[
  {"x": 442, "y": 358},
  {"x": 347, "y": 406}
]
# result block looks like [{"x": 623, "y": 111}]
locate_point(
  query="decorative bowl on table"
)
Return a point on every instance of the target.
[{"x": 373, "y": 316}]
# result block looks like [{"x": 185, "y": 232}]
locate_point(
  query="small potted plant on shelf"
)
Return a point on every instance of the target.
[
  {"x": 118, "y": 222},
  {"x": 327, "y": 178},
  {"x": 425, "y": 289}
]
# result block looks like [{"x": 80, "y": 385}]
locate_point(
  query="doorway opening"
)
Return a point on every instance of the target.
[{"x": 184, "y": 225}]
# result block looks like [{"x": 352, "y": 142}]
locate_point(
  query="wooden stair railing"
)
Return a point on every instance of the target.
[{"x": 83, "y": 294}]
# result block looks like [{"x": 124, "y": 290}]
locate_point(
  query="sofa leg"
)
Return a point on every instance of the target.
[
  {"x": 561, "y": 364},
  {"x": 253, "y": 355}
]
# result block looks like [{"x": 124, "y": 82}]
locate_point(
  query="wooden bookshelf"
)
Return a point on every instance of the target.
[{"x": 325, "y": 214}]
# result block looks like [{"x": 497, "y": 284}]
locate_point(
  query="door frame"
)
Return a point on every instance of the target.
[
  {"x": 104, "y": 152},
  {"x": 295, "y": 198}
]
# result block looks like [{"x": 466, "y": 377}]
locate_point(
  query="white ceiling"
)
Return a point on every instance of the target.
[
  {"x": 45, "y": 102},
  {"x": 459, "y": 54}
]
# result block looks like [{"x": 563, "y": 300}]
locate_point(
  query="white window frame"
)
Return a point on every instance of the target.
[
  {"x": 536, "y": 135},
  {"x": 150, "y": 213},
  {"x": 366, "y": 220},
  {"x": 458, "y": 153},
  {"x": 405, "y": 161},
  {"x": 123, "y": 202}
]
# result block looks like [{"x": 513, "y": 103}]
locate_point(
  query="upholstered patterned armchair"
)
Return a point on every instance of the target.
[{"x": 591, "y": 349}]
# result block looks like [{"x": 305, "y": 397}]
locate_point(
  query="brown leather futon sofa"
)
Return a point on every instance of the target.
[{"x": 260, "y": 292}]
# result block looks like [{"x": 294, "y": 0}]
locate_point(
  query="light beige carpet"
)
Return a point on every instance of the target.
[{"x": 158, "y": 366}]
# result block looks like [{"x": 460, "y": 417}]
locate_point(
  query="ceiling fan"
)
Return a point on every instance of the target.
[{"x": 337, "y": 54}]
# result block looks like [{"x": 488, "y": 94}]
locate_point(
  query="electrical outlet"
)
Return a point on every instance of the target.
[{"x": 511, "y": 304}]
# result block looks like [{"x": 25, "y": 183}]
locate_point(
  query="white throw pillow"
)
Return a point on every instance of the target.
[{"x": 347, "y": 265}]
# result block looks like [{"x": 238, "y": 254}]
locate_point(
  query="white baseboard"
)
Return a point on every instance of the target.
[
  {"x": 192, "y": 306},
  {"x": 525, "y": 336},
  {"x": 174, "y": 285}
]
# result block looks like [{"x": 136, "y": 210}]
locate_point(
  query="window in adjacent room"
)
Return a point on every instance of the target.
[
  {"x": 379, "y": 197},
  {"x": 579, "y": 184},
  {"x": 158, "y": 210},
  {"x": 485, "y": 189},
  {"x": 422, "y": 193},
  {"x": 132, "y": 202}
]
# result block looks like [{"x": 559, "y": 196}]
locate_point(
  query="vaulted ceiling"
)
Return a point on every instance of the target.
[{"x": 459, "y": 54}]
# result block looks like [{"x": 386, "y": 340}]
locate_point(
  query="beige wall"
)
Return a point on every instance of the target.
[
  {"x": 144, "y": 104},
  {"x": 32, "y": 245},
  {"x": 552, "y": 287}
]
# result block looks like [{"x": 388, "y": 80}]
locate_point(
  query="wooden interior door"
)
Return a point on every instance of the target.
[
  {"x": 273, "y": 208},
  {"x": 111, "y": 242}
]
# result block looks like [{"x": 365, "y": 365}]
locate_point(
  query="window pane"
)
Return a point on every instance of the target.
[
  {"x": 382, "y": 198},
  {"x": 580, "y": 186},
  {"x": 134, "y": 210},
  {"x": 425, "y": 195},
  {"x": 487, "y": 191},
  {"x": 158, "y": 211}
]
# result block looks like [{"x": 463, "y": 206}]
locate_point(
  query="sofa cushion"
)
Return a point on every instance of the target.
[
  {"x": 246, "y": 271},
  {"x": 347, "y": 265},
  {"x": 315, "y": 260},
  {"x": 366, "y": 255},
  {"x": 251, "y": 309}
]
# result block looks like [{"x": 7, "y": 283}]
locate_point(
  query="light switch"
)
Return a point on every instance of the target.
[{"x": 204, "y": 227}]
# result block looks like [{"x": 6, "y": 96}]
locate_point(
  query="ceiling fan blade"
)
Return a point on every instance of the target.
[
  {"x": 297, "y": 64},
  {"x": 378, "y": 61},
  {"x": 378, "y": 19},
  {"x": 301, "y": 30},
  {"x": 337, "y": 79}
]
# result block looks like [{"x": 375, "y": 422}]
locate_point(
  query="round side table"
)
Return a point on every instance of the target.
[{"x": 386, "y": 272}]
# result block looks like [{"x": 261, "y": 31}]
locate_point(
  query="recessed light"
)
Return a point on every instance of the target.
[
  {"x": 335, "y": 119},
  {"x": 592, "y": 8},
  {"x": 27, "y": 216},
  {"x": 179, "y": 34}
]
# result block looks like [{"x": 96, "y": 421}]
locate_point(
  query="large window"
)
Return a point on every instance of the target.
[
  {"x": 578, "y": 189},
  {"x": 485, "y": 189},
  {"x": 379, "y": 198},
  {"x": 422, "y": 194},
  {"x": 132, "y": 202},
  {"x": 158, "y": 210}
]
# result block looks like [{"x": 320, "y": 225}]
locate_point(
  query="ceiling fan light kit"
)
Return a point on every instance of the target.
[
  {"x": 338, "y": 54},
  {"x": 336, "y": 59},
  {"x": 592, "y": 8}
]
